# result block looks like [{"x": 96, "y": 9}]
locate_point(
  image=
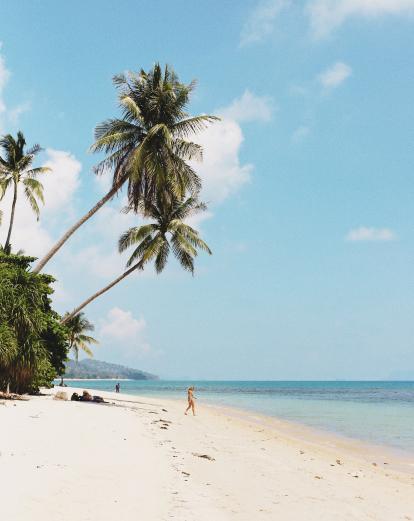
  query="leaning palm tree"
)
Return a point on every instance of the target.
[
  {"x": 78, "y": 339},
  {"x": 16, "y": 168},
  {"x": 147, "y": 147},
  {"x": 154, "y": 241}
]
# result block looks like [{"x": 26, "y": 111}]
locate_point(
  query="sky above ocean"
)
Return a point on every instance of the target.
[{"x": 309, "y": 179}]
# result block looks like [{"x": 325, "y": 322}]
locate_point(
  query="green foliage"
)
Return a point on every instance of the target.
[
  {"x": 149, "y": 145},
  {"x": 77, "y": 326},
  {"x": 33, "y": 343},
  {"x": 16, "y": 168},
  {"x": 154, "y": 241}
]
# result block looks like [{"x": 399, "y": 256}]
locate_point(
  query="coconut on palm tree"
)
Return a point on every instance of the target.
[
  {"x": 78, "y": 326},
  {"x": 15, "y": 169},
  {"x": 147, "y": 147},
  {"x": 154, "y": 241}
]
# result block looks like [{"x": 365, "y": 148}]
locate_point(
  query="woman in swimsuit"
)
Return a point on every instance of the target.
[{"x": 191, "y": 398}]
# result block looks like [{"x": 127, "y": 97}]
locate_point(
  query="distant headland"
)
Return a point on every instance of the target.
[{"x": 88, "y": 369}]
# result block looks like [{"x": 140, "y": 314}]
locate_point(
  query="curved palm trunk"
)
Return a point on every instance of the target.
[
  {"x": 99, "y": 293},
  {"x": 41, "y": 264},
  {"x": 13, "y": 209}
]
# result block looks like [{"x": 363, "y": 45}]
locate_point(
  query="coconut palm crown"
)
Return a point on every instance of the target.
[
  {"x": 78, "y": 326},
  {"x": 15, "y": 168},
  {"x": 154, "y": 241},
  {"x": 148, "y": 144}
]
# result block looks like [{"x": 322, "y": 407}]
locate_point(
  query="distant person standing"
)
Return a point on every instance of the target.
[
  {"x": 191, "y": 398},
  {"x": 117, "y": 387}
]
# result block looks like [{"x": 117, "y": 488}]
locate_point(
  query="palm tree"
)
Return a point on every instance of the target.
[
  {"x": 15, "y": 168},
  {"x": 78, "y": 325},
  {"x": 154, "y": 241},
  {"x": 147, "y": 147}
]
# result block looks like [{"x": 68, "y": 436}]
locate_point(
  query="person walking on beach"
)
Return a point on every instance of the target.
[
  {"x": 117, "y": 387},
  {"x": 191, "y": 398}
]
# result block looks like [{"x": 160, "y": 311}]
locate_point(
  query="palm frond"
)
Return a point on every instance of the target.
[
  {"x": 193, "y": 125},
  {"x": 134, "y": 235},
  {"x": 32, "y": 201}
]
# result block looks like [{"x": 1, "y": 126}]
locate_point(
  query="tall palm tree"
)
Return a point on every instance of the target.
[
  {"x": 154, "y": 241},
  {"x": 147, "y": 147},
  {"x": 15, "y": 168},
  {"x": 78, "y": 339}
]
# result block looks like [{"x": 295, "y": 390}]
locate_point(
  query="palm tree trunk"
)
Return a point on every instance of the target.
[
  {"x": 13, "y": 209},
  {"x": 40, "y": 265},
  {"x": 99, "y": 293}
]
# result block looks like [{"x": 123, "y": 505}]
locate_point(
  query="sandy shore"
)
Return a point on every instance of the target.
[{"x": 141, "y": 458}]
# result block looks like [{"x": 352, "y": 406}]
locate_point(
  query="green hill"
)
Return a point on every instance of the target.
[{"x": 97, "y": 369}]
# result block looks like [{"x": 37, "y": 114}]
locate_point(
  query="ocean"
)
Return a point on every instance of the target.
[{"x": 375, "y": 412}]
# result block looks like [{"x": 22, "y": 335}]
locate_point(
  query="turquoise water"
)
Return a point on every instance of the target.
[{"x": 377, "y": 412}]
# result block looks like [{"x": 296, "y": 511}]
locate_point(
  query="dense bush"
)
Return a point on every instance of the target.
[{"x": 33, "y": 345}]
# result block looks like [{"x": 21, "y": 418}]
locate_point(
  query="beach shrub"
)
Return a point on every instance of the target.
[{"x": 33, "y": 343}]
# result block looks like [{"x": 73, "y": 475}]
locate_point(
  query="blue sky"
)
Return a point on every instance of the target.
[{"x": 309, "y": 179}]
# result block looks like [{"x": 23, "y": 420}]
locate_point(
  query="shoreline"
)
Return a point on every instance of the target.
[
  {"x": 302, "y": 429},
  {"x": 87, "y": 461}
]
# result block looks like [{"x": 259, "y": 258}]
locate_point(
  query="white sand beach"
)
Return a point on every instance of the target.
[{"x": 141, "y": 458}]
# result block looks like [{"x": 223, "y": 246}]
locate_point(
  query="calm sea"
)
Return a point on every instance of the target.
[{"x": 377, "y": 412}]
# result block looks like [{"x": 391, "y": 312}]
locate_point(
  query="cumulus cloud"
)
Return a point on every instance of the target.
[
  {"x": 364, "y": 233},
  {"x": 335, "y": 75},
  {"x": 261, "y": 21},
  {"x": 63, "y": 180},
  {"x": 128, "y": 332},
  {"x": 248, "y": 107},
  {"x": 221, "y": 171},
  {"x": 59, "y": 186},
  {"x": 327, "y": 15}
]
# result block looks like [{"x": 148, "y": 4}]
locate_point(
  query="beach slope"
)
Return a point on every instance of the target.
[{"x": 141, "y": 458}]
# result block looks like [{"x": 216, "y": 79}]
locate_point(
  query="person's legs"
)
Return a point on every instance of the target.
[
  {"x": 193, "y": 407},
  {"x": 188, "y": 408}
]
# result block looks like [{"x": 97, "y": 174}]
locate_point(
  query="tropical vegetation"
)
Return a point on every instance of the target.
[
  {"x": 15, "y": 170},
  {"x": 149, "y": 150},
  {"x": 154, "y": 241},
  {"x": 33, "y": 343},
  {"x": 147, "y": 147},
  {"x": 77, "y": 326}
]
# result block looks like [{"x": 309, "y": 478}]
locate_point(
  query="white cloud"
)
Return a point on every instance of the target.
[
  {"x": 364, "y": 233},
  {"x": 328, "y": 15},
  {"x": 300, "y": 134},
  {"x": 261, "y": 21},
  {"x": 59, "y": 187},
  {"x": 63, "y": 180},
  {"x": 248, "y": 107},
  {"x": 221, "y": 171},
  {"x": 100, "y": 260},
  {"x": 128, "y": 332},
  {"x": 335, "y": 75}
]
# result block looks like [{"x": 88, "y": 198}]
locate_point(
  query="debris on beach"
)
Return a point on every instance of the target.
[{"x": 204, "y": 456}]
